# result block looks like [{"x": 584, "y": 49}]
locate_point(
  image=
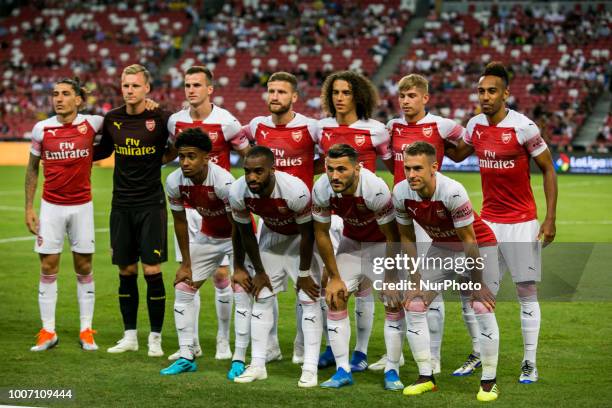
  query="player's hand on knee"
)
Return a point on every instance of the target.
[
  {"x": 336, "y": 293},
  {"x": 484, "y": 296},
  {"x": 391, "y": 298},
  {"x": 242, "y": 278},
  {"x": 183, "y": 274},
  {"x": 308, "y": 285},
  {"x": 416, "y": 296},
  {"x": 32, "y": 221},
  {"x": 260, "y": 281}
]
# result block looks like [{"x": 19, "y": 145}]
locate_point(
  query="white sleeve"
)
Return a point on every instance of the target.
[
  {"x": 469, "y": 130},
  {"x": 313, "y": 130},
  {"x": 459, "y": 205},
  {"x": 401, "y": 215},
  {"x": 172, "y": 128},
  {"x": 96, "y": 122},
  {"x": 379, "y": 201},
  {"x": 37, "y": 139},
  {"x": 321, "y": 210},
  {"x": 172, "y": 190},
  {"x": 529, "y": 136},
  {"x": 236, "y": 199},
  {"x": 232, "y": 131},
  {"x": 381, "y": 142},
  {"x": 451, "y": 130},
  {"x": 300, "y": 204}
]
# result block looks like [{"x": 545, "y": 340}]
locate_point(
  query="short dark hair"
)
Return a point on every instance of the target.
[
  {"x": 496, "y": 68},
  {"x": 199, "y": 69},
  {"x": 75, "y": 84},
  {"x": 365, "y": 94},
  {"x": 419, "y": 148},
  {"x": 194, "y": 137},
  {"x": 285, "y": 77},
  {"x": 261, "y": 151},
  {"x": 343, "y": 150}
]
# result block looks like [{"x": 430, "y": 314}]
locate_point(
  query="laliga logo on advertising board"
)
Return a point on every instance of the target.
[{"x": 562, "y": 164}]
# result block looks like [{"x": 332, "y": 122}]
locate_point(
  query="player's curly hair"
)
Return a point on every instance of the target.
[
  {"x": 261, "y": 151},
  {"x": 365, "y": 94},
  {"x": 194, "y": 137}
]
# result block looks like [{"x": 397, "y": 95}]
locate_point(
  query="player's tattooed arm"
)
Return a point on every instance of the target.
[
  {"x": 31, "y": 181},
  {"x": 249, "y": 243},
  {"x": 548, "y": 229},
  {"x": 459, "y": 152},
  {"x": 169, "y": 154},
  {"x": 181, "y": 229},
  {"x": 336, "y": 293},
  {"x": 306, "y": 283},
  {"x": 389, "y": 164},
  {"x": 240, "y": 275},
  {"x": 470, "y": 248}
]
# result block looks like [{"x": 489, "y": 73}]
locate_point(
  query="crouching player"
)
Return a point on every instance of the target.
[
  {"x": 442, "y": 207},
  {"x": 204, "y": 186},
  {"x": 285, "y": 250},
  {"x": 363, "y": 201}
]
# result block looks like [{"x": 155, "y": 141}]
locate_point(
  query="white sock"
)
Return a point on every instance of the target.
[
  {"x": 323, "y": 306},
  {"x": 339, "y": 329},
  {"x": 489, "y": 344},
  {"x": 435, "y": 320},
  {"x": 530, "y": 326},
  {"x": 313, "y": 329},
  {"x": 418, "y": 338},
  {"x": 223, "y": 303},
  {"x": 299, "y": 332},
  {"x": 131, "y": 334},
  {"x": 395, "y": 329},
  {"x": 184, "y": 315},
  {"x": 469, "y": 318},
  {"x": 86, "y": 295},
  {"x": 364, "y": 318},
  {"x": 274, "y": 329},
  {"x": 196, "y": 320},
  {"x": 242, "y": 323},
  {"x": 262, "y": 320},
  {"x": 47, "y": 299}
]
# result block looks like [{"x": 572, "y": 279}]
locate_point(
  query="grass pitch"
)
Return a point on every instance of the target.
[{"x": 573, "y": 358}]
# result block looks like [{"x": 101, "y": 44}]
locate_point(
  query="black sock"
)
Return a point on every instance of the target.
[
  {"x": 128, "y": 300},
  {"x": 156, "y": 301}
]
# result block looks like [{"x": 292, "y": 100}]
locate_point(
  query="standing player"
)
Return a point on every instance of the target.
[
  {"x": 442, "y": 207},
  {"x": 292, "y": 137},
  {"x": 363, "y": 201},
  {"x": 64, "y": 144},
  {"x": 138, "y": 216},
  {"x": 415, "y": 125},
  {"x": 504, "y": 141},
  {"x": 205, "y": 187},
  {"x": 224, "y": 132},
  {"x": 350, "y": 99},
  {"x": 285, "y": 249}
]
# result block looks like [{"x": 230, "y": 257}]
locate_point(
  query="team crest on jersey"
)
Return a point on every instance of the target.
[
  {"x": 283, "y": 210},
  {"x": 441, "y": 213},
  {"x": 506, "y": 136},
  {"x": 150, "y": 124},
  {"x": 213, "y": 136},
  {"x": 296, "y": 136},
  {"x": 82, "y": 128},
  {"x": 427, "y": 131},
  {"x": 39, "y": 240},
  {"x": 359, "y": 140}
]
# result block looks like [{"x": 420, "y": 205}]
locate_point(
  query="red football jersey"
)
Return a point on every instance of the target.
[
  {"x": 67, "y": 155},
  {"x": 503, "y": 155},
  {"x": 293, "y": 144},
  {"x": 369, "y": 137},
  {"x": 222, "y": 127},
  {"x": 432, "y": 129}
]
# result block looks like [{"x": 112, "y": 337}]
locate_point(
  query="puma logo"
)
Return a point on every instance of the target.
[
  {"x": 417, "y": 332},
  {"x": 399, "y": 131},
  {"x": 395, "y": 327},
  {"x": 264, "y": 134},
  {"x": 157, "y": 252},
  {"x": 52, "y": 131},
  {"x": 488, "y": 335},
  {"x": 117, "y": 125},
  {"x": 242, "y": 313},
  {"x": 327, "y": 135},
  {"x": 223, "y": 301},
  {"x": 181, "y": 312},
  {"x": 412, "y": 210},
  {"x": 310, "y": 319},
  {"x": 332, "y": 329},
  {"x": 257, "y": 316},
  {"x": 478, "y": 133}
]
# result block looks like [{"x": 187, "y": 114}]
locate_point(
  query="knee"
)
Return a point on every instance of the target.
[
  {"x": 49, "y": 266},
  {"x": 151, "y": 269},
  {"x": 82, "y": 265},
  {"x": 221, "y": 281},
  {"x": 127, "y": 270},
  {"x": 480, "y": 308},
  {"x": 304, "y": 299},
  {"x": 527, "y": 290},
  {"x": 221, "y": 274},
  {"x": 340, "y": 306},
  {"x": 417, "y": 305}
]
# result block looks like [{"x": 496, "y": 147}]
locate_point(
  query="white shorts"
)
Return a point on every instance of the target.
[
  {"x": 521, "y": 252},
  {"x": 432, "y": 273},
  {"x": 336, "y": 228},
  {"x": 207, "y": 255},
  {"x": 194, "y": 225},
  {"x": 355, "y": 261},
  {"x": 58, "y": 220},
  {"x": 280, "y": 256}
]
